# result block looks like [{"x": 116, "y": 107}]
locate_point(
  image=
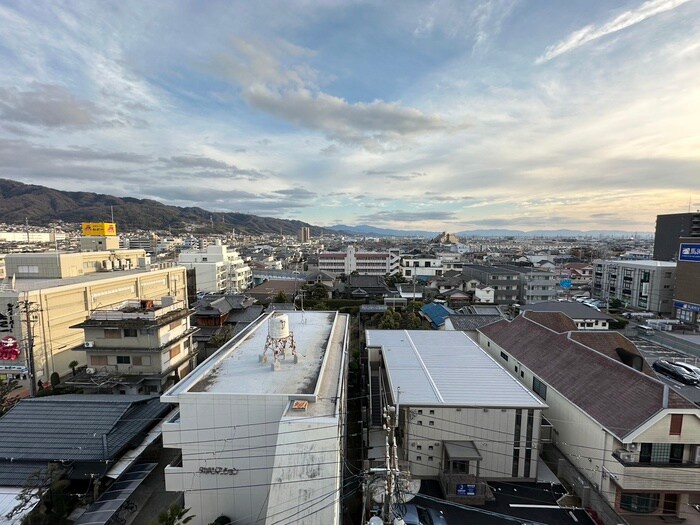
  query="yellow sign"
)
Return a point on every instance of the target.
[{"x": 99, "y": 229}]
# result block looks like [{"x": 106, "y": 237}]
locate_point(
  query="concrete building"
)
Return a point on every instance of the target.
[
  {"x": 304, "y": 234},
  {"x": 39, "y": 313},
  {"x": 218, "y": 269},
  {"x": 364, "y": 263},
  {"x": 536, "y": 285},
  {"x": 261, "y": 424},
  {"x": 463, "y": 419},
  {"x": 686, "y": 299},
  {"x": 137, "y": 347},
  {"x": 420, "y": 267},
  {"x": 646, "y": 285},
  {"x": 634, "y": 441},
  {"x": 62, "y": 265},
  {"x": 670, "y": 228},
  {"x": 504, "y": 281}
]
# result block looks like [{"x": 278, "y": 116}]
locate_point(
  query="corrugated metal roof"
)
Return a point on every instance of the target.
[{"x": 446, "y": 368}]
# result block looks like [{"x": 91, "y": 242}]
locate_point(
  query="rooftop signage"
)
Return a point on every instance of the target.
[
  {"x": 99, "y": 229},
  {"x": 689, "y": 252}
]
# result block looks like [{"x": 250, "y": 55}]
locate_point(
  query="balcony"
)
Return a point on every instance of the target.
[{"x": 662, "y": 477}]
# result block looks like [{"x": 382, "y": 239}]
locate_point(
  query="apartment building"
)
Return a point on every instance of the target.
[
  {"x": 462, "y": 418},
  {"x": 504, "y": 281},
  {"x": 364, "y": 263},
  {"x": 634, "y": 440},
  {"x": 137, "y": 347},
  {"x": 645, "y": 285},
  {"x": 39, "y": 313},
  {"x": 421, "y": 267},
  {"x": 217, "y": 269},
  {"x": 536, "y": 285},
  {"x": 261, "y": 424},
  {"x": 669, "y": 229}
]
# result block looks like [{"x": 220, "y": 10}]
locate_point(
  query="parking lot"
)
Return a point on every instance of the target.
[{"x": 652, "y": 351}]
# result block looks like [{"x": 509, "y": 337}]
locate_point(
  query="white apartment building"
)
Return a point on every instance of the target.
[
  {"x": 463, "y": 418},
  {"x": 364, "y": 263},
  {"x": 420, "y": 266},
  {"x": 646, "y": 285},
  {"x": 635, "y": 440},
  {"x": 261, "y": 424},
  {"x": 218, "y": 269}
]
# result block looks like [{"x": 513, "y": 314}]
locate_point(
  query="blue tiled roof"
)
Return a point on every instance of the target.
[{"x": 437, "y": 313}]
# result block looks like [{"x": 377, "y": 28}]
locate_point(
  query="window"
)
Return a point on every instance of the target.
[
  {"x": 131, "y": 332},
  {"x": 431, "y": 423},
  {"x": 174, "y": 324},
  {"x": 174, "y": 351},
  {"x": 98, "y": 360},
  {"x": 539, "y": 388},
  {"x": 504, "y": 356},
  {"x": 419, "y": 447},
  {"x": 419, "y": 458},
  {"x": 639, "y": 502},
  {"x": 432, "y": 412},
  {"x": 123, "y": 360},
  {"x": 676, "y": 425},
  {"x": 516, "y": 462},
  {"x": 113, "y": 333},
  {"x": 420, "y": 412},
  {"x": 430, "y": 458}
]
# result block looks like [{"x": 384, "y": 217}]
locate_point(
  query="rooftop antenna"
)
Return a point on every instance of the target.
[
  {"x": 112, "y": 210},
  {"x": 26, "y": 227}
]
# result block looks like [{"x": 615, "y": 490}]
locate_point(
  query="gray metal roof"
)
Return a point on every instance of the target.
[
  {"x": 75, "y": 428},
  {"x": 573, "y": 309},
  {"x": 435, "y": 368}
]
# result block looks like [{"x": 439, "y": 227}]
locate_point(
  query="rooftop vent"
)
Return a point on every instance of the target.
[{"x": 300, "y": 404}]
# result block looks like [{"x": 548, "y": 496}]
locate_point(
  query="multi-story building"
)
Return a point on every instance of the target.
[
  {"x": 686, "y": 300},
  {"x": 420, "y": 266},
  {"x": 536, "y": 285},
  {"x": 137, "y": 347},
  {"x": 304, "y": 234},
  {"x": 671, "y": 227},
  {"x": 585, "y": 317},
  {"x": 218, "y": 269},
  {"x": 463, "y": 419},
  {"x": 646, "y": 285},
  {"x": 504, "y": 281},
  {"x": 632, "y": 438},
  {"x": 38, "y": 313},
  {"x": 261, "y": 424},
  {"x": 63, "y": 265},
  {"x": 364, "y": 263}
]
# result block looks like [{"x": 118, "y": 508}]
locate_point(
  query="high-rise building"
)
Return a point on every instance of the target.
[
  {"x": 669, "y": 228},
  {"x": 304, "y": 234},
  {"x": 686, "y": 299}
]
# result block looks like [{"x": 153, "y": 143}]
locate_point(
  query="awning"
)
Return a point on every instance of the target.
[
  {"x": 110, "y": 501},
  {"x": 462, "y": 450}
]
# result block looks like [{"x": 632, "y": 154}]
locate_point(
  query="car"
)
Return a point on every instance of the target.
[
  {"x": 691, "y": 369},
  {"x": 412, "y": 514},
  {"x": 675, "y": 372}
]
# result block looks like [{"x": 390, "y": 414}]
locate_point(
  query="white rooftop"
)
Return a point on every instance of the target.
[
  {"x": 435, "y": 368},
  {"x": 236, "y": 368}
]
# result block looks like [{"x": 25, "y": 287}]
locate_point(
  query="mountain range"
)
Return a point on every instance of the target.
[
  {"x": 364, "y": 229},
  {"x": 40, "y": 205}
]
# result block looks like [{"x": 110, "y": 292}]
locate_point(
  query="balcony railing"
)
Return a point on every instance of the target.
[{"x": 685, "y": 464}]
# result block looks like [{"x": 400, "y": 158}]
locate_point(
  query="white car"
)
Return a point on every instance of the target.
[{"x": 693, "y": 370}]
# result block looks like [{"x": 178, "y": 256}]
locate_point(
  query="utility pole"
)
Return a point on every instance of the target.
[{"x": 30, "y": 350}]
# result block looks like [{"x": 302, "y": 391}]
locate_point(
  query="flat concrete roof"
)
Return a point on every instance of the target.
[
  {"x": 29, "y": 285},
  {"x": 236, "y": 368},
  {"x": 435, "y": 368},
  {"x": 641, "y": 263}
]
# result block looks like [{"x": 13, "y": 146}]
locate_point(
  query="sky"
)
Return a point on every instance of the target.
[{"x": 445, "y": 115}]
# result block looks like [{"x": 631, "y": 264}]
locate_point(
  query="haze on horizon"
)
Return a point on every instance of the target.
[{"x": 443, "y": 116}]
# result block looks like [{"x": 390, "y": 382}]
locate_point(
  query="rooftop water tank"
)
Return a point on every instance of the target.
[{"x": 279, "y": 326}]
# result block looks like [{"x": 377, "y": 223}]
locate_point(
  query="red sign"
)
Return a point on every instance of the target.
[{"x": 9, "y": 348}]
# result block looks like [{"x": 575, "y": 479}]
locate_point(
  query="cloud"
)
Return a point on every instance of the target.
[
  {"x": 383, "y": 217},
  {"x": 211, "y": 167},
  {"x": 274, "y": 78},
  {"x": 297, "y": 193},
  {"x": 49, "y": 106},
  {"x": 590, "y": 33}
]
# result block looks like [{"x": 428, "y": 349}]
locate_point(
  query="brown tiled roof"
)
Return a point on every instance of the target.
[
  {"x": 615, "y": 395},
  {"x": 555, "y": 321},
  {"x": 607, "y": 343}
]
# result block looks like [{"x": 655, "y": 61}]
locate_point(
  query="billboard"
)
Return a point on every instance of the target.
[
  {"x": 99, "y": 229},
  {"x": 689, "y": 252}
]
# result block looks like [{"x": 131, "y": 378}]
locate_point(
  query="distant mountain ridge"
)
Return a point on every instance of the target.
[
  {"x": 364, "y": 229},
  {"x": 41, "y": 205}
]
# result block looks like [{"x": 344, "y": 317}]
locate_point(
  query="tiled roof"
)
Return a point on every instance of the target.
[
  {"x": 607, "y": 342},
  {"x": 573, "y": 309},
  {"x": 71, "y": 428},
  {"x": 555, "y": 321},
  {"x": 472, "y": 322},
  {"x": 615, "y": 395},
  {"x": 437, "y": 313}
]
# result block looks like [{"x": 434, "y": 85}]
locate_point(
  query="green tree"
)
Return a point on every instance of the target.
[
  {"x": 175, "y": 515},
  {"x": 281, "y": 297},
  {"x": 55, "y": 379},
  {"x": 7, "y": 400},
  {"x": 73, "y": 365}
]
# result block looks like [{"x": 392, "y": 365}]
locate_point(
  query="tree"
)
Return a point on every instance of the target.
[
  {"x": 72, "y": 366},
  {"x": 175, "y": 515},
  {"x": 7, "y": 401},
  {"x": 55, "y": 379},
  {"x": 281, "y": 297}
]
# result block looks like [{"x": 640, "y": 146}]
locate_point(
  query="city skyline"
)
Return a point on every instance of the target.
[{"x": 442, "y": 116}]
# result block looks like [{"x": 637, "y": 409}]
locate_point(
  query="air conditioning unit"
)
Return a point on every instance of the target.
[
  {"x": 632, "y": 447},
  {"x": 89, "y": 344},
  {"x": 627, "y": 457},
  {"x": 90, "y": 370}
]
